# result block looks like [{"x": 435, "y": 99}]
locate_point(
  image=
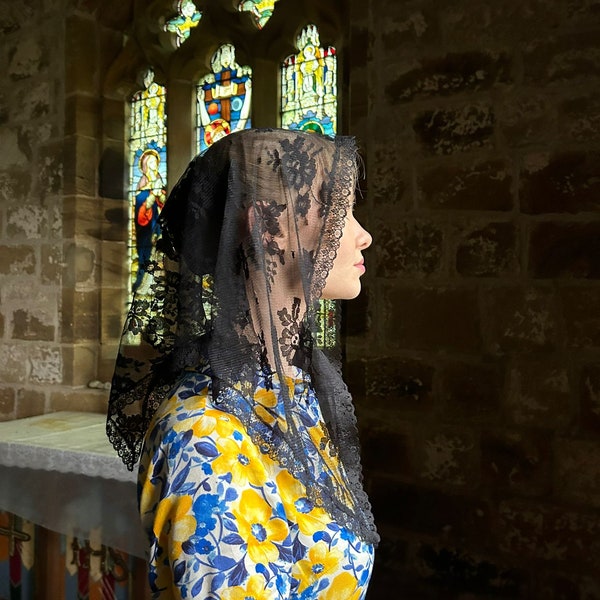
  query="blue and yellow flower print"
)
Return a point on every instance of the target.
[{"x": 225, "y": 521}]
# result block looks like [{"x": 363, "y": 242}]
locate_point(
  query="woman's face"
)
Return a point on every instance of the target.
[{"x": 343, "y": 281}]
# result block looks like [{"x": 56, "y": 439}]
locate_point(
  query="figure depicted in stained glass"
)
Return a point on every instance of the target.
[
  {"x": 147, "y": 178},
  {"x": 224, "y": 98},
  {"x": 308, "y": 82},
  {"x": 261, "y": 10},
  {"x": 181, "y": 25},
  {"x": 149, "y": 199}
]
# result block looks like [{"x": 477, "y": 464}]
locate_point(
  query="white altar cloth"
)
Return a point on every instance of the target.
[{"x": 60, "y": 471}]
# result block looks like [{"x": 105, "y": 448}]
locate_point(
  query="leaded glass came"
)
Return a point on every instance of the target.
[
  {"x": 309, "y": 85},
  {"x": 182, "y": 24},
  {"x": 147, "y": 173},
  {"x": 223, "y": 98}
]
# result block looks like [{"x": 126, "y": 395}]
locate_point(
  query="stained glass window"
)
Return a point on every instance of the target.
[
  {"x": 223, "y": 98},
  {"x": 186, "y": 19},
  {"x": 309, "y": 86},
  {"x": 309, "y": 102},
  {"x": 261, "y": 10},
  {"x": 148, "y": 172}
]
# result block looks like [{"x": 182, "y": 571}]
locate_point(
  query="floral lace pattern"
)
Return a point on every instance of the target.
[
  {"x": 247, "y": 239},
  {"x": 225, "y": 521}
]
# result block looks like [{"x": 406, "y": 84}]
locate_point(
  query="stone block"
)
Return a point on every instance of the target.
[
  {"x": 12, "y": 157},
  {"x": 439, "y": 319},
  {"x": 539, "y": 394},
  {"x": 26, "y": 221},
  {"x": 453, "y": 73},
  {"x": 470, "y": 575},
  {"x": 115, "y": 224},
  {"x": 27, "y": 325},
  {"x": 517, "y": 462},
  {"x": 581, "y": 314},
  {"x": 30, "y": 403},
  {"x": 379, "y": 445},
  {"x": 389, "y": 182},
  {"x": 534, "y": 531},
  {"x": 416, "y": 510},
  {"x": 13, "y": 17},
  {"x": 577, "y": 471},
  {"x": 7, "y": 402},
  {"x": 447, "y": 458},
  {"x": 477, "y": 186},
  {"x": 50, "y": 169},
  {"x": 46, "y": 364},
  {"x": 579, "y": 118},
  {"x": 82, "y": 115},
  {"x": 114, "y": 264},
  {"x": 471, "y": 391},
  {"x": 398, "y": 384},
  {"x": 81, "y": 166},
  {"x": 567, "y": 182},
  {"x": 114, "y": 308},
  {"x": 590, "y": 398},
  {"x": 80, "y": 315},
  {"x": 567, "y": 59},
  {"x": 51, "y": 264},
  {"x": 526, "y": 119},
  {"x": 81, "y": 55},
  {"x": 113, "y": 120},
  {"x": 14, "y": 363},
  {"x": 488, "y": 251},
  {"x": 408, "y": 248},
  {"x": 80, "y": 364},
  {"x": 80, "y": 265},
  {"x": 29, "y": 58},
  {"x": 14, "y": 186},
  {"x": 565, "y": 250},
  {"x": 447, "y": 131},
  {"x": 84, "y": 400},
  {"x": 521, "y": 319},
  {"x": 34, "y": 101},
  {"x": 557, "y": 585},
  {"x": 17, "y": 260},
  {"x": 404, "y": 28}
]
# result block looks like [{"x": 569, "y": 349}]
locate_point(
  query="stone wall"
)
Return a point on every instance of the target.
[
  {"x": 53, "y": 57},
  {"x": 31, "y": 185},
  {"x": 475, "y": 354}
]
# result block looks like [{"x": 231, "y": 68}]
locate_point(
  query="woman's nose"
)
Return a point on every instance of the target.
[{"x": 364, "y": 238}]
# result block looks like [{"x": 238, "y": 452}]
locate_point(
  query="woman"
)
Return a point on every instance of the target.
[{"x": 249, "y": 486}]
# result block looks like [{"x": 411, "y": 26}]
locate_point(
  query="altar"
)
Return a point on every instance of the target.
[{"x": 63, "y": 484}]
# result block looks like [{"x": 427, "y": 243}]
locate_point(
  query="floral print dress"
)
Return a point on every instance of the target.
[{"x": 225, "y": 521}]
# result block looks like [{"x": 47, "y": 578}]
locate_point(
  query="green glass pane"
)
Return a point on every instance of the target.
[
  {"x": 224, "y": 98},
  {"x": 184, "y": 21}
]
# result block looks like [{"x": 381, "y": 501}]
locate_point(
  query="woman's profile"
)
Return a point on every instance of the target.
[{"x": 249, "y": 466}]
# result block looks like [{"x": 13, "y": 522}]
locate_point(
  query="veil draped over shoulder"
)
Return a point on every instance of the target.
[{"x": 247, "y": 239}]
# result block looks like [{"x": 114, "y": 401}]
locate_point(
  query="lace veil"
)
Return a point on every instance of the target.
[{"x": 247, "y": 239}]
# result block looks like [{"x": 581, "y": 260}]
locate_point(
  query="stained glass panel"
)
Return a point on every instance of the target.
[
  {"x": 148, "y": 172},
  {"x": 309, "y": 102},
  {"x": 224, "y": 98},
  {"x": 309, "y": 85},
  {"x": 186, "y": 19},
  {"x": 261, "y": 10}
]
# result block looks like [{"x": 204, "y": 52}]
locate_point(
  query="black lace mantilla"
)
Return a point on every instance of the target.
[{"x": 246, "y": 241}]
